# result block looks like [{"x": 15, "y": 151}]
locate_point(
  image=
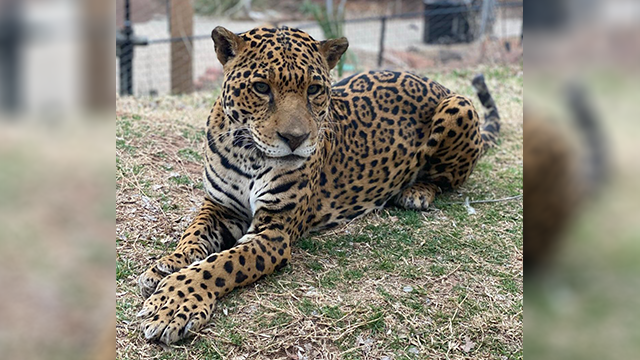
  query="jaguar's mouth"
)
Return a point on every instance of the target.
[
  {"x": 286, "y": 158},
  {"x": 279, "y": 152},
  {"x": 291, "y": 158}
]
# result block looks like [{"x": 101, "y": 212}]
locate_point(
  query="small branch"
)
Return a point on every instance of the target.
[{"x": 449, "y": 274}]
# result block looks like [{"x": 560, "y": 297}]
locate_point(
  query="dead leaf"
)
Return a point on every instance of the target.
[{"x": 468, "y": 344}]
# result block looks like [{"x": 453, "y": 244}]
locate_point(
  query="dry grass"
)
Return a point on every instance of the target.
[{"x": 441, "y": 284}]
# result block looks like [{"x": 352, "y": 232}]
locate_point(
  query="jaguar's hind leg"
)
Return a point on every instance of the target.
[
  {"x": 454, "y": 144},
  {"x": 418, "y": 196}
]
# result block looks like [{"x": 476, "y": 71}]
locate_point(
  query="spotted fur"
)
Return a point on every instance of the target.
[
  {"x": 560, "y": 174},
  {"x": 288, "y": 153}
]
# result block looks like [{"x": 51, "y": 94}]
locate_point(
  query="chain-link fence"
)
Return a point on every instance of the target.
[{"x": 164, "y": 46}]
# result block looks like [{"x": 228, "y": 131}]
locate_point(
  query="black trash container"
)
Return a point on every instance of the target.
[{"x": 448, "y": 22}]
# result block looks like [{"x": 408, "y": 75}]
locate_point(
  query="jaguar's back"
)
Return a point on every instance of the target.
[{"x": 385, "y": 137}]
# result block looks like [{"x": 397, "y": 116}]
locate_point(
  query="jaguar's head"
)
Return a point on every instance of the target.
[{"x": 277, "y": 86}]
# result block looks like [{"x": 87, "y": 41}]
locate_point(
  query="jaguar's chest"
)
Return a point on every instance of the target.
[
  {"x": 228, "y": 188},
  {"x": 246, "y": 185}
]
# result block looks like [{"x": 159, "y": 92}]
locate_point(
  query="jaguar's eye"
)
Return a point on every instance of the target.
[
  {"x": 261, "y": 88},
  {"x": 313, "y": 89}
]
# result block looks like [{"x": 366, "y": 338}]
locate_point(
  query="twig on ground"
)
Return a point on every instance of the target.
[
  {"x": 448, "y": 274},
  {"x": 483, "y": 201}
]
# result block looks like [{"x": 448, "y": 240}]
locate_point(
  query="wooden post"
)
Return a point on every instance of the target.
[
  {"x": 97, "y": 38},
  {"x": 181, "y": 24}
]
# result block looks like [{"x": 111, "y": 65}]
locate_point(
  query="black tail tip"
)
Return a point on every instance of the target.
[
  {"x": 478, "y": 82},
  {"x": 575, "y": 93}
]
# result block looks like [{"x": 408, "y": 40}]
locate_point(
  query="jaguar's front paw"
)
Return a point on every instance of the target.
[
  {"x": 182, "y": 303},
  {"x": 148, "y": 281}
]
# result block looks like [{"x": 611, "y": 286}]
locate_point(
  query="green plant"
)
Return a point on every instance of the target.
[
  {"x": 331, "y": 21},
  {"x": 216, "y": 7}
]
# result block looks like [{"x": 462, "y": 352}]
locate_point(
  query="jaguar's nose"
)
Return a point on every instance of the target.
[{"x": 293, "y": 140}]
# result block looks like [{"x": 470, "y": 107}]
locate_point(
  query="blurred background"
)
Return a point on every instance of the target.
[
  {"x": 57, "y": 209},
  {"x": 582, "y": 234}
]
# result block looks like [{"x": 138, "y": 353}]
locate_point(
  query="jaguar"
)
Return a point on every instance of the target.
[
  {"x": 288, "y": 153},
  {"x": 565, "y": 167}
]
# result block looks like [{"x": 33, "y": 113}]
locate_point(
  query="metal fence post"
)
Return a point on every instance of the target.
[
  {"x": 383, "y": 30},
  {"x": 126, "y": 53},
  {"x": 11, "y": 36}
]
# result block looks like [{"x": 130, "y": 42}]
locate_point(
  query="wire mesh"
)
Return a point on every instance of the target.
[{"x": 418, "y": 35}]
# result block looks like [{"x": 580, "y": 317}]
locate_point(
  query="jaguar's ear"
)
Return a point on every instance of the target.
[
  {"x": 333, "y": 49},
  {"x": 227, "y": 44}
]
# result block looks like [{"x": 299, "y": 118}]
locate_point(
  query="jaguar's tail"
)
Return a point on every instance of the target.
[
  {"x": 491, "y": 126},
  {"x": 589, "y": 126}
]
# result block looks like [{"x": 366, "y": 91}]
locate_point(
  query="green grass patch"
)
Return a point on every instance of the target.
[
  {"x": 180, "y": 180},
  {"x": 123, "y": 269},
  {"x": 190, "y": 154}
]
